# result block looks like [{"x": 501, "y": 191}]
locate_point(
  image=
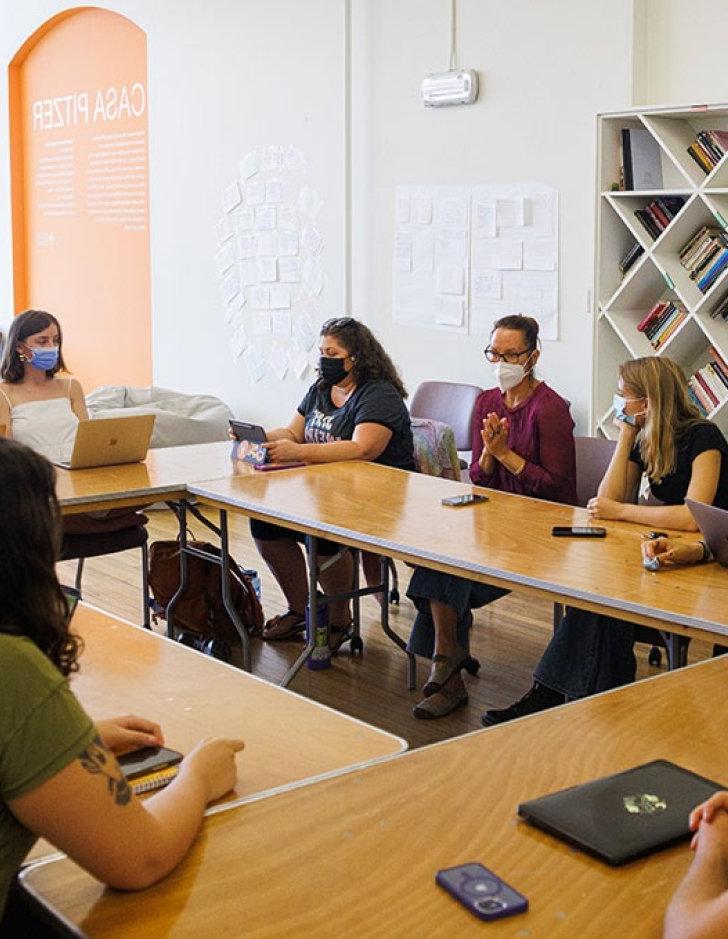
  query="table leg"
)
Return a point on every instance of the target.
[
  {"x": 180, "y": 510},
  {"x": 227, "y": 598},
  {"x": 388, "y": 631},
  {"x": 311, "y": 550}
]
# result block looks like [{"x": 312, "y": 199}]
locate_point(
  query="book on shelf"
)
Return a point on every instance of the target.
[
  {"x": 658, "y": 214},
  {"x": 661, "y": 322},
  {"x": 721, "y": 309},
  {"x": 641, "y": 159},
  {"x": 702, "y": 410},
  {"x": 708, "y": 148},
  {"x": 704, "y": 402},
  {"x": 719, "y": 361},
  {"x": 714, "y": 383},
  {"x": 630, "y": 257},
  {"x": 705, "y": 256},
  {"x": 657, "y": 310},
  {"x": 719, "y": 374}
]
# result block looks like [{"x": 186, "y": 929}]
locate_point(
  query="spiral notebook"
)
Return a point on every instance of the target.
[{"x": 152, "y": 781}]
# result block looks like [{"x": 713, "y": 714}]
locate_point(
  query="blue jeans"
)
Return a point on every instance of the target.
[
  {"x": 456, "y": 592},
  {"x": 587, "y": 653}
]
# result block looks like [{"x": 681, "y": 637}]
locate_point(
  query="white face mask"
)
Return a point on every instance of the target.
[{"x": 509, "y": 375}]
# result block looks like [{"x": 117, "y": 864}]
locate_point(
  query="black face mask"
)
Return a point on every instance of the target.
[{"x": 332, "y": 370}]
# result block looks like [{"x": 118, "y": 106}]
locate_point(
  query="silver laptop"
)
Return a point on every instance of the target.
[
  {"x": 110, "y": 440},
  {"x": 713, "y": 525}
]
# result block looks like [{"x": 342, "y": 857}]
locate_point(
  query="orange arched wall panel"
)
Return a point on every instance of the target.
[{"x": 79, "y": 163}]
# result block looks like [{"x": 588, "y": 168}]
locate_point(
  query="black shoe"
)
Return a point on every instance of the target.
[
  {"x": 216, "y": 649},
  {"x": 537, "y": 698}
]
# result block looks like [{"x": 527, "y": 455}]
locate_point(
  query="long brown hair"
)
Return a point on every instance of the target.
[
  {"x": 32, "y": 603},
  {"x": 670, "y": 412},
  {"x": 370, "y": 361},
  {"x": 24, "y": 326}
]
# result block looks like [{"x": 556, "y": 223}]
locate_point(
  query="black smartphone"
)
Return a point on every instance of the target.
[
  {"x": 588, "y": 531},
  {"x": 147, "y": 760},
  {"x": 249, "y": 443},
  {"x": 253, "y": 433},
  {"x": 470, "y": 498},
  {"x": 481, "y": 891}
]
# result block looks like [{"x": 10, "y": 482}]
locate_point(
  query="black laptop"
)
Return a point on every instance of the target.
[{"x": 626, "y": 816}]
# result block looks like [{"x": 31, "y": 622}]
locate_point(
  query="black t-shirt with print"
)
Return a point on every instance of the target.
[
  {"x": 696, "y": 440},
  {"x": 373, "y": 402}
]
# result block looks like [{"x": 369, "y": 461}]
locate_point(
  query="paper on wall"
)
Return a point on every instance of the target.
[
  {"x": 280, "y": 298},
  {"x": 248, "y": 166},
  {"x": 539, "y": 254},
  {"x": 248, "y": 273},
  {"x": 311, "y": 240},
  {"x": 452, "y": 245},
  {"x": 423, "y": 210},
  {"x": 244, "y": 219},
  {"x": 454, "y": 212},
  {"x": 225, "y": 258},
  {"x": 304, "y": 332},
  {"x": 267, "y": 270},
  {"x": 245, "y": 245},
  {"x": 224, "y": 230},
  {"x": 289, "y": 270},
  {"x": 484, "y": 224},
  {"x": 298, "y": 359},
  {"x": 402, "y": 209},
  {"x": 234, "y": 317},
  {"x": 278, "y": 361},
  {"x": 267, "y": 243},
  {"x": 261, "y": 324},
  {"x": 255, "y": 192},
  {"x": 260, "y": 298},
  {"x": 265, "y": 217},
  {"x": 451, "y": 311},
  {"x": 313, "y": 276},
  {"x": 274, "y": 158},
  {"x": 506, "y": 255},
  {"x": 295, "y": 160},
  {"x": 287, "y": 218},
  {"x": 403, "y": 251},
  {"x": 309, "y": 202},
  {"x": 280, "y": 323},
  {"x": 509, "y": 213},
  {"x": 274, "y": 190},
  {"x": 451, "y": 279},
  {"x": 230, "y": 286},
  {"x": 254, "y": 362},
  {"x": 424, "y": 252},
  {"x": 238, "y": 342},
  {"x": 231, "y": 197},
  {"x": 287, "y": 244},
  {"x": 486, "y": 285}
]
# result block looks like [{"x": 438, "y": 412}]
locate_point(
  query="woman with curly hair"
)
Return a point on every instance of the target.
[
  {"x": 354, "y": 411},
  {"x": 59, "y": 778}
]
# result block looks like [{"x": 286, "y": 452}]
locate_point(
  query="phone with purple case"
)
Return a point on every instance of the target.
[{"x": 481, "y": 891}]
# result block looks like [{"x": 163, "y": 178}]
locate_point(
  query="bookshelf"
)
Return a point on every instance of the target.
[{"x": 659, "y": 275}]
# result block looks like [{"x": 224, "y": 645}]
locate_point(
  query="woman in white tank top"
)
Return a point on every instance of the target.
[{"x": 37, "y": 407}]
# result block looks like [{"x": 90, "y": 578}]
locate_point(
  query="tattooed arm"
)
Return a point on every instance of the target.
[{"x": 89, "y": 811}]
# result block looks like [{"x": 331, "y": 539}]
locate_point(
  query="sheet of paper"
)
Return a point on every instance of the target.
[
  {"x": 261, "y": 324},
  {"x": 237, "y": 342},
  {"x": 254, "y": 362},
  {"x": 539, "y": 254},
  {"x": 309, "y": 202},
  {"x": 233, "y": 308},
  {"x": 274, "y": 158},
  {"x": 304, "y": 332},
  {"x": 280, "y": 298},
  {"x": 267, "y": 270},
  {"x": 313, "y": 276},
  {"x": 287, "y": 244},
  {"x": 484, "y": 219},
  {"x": 244, "y": 219},
  {"x": 486, "y": 285},
  {"x": 528, "y": 301},
  {"x": 233, "y": 317},
  {"x": 224, "y": 230},
  {"x": 260, "y": 298},
  {"x": 230, "y": 286},
  {"x": 451, "y": 279},
  {"x": 298, "y": 359},
  {"x": 423, "y": 255},
  {"x": 265, "y": 217},
  {"x": 248, "y": 166},
  {"x": 454, "y": 212},
  {"x": 278, "y": 361},
  {"x": 451, "y": 311},
  {"x": 402, "y": 209},
  {"x": 267, "y": 243},
  {"x": 452, "y": 244},
  {"x": 311, "y": 240},
  {"x": 255, "y": 192},
  {"x": 274, "y": 190},
  {"x": 231, "y": 197},
  {"x": 287, "y": 218},
  {"x": 509, "y": 213},
  {"x": 245, "y": 245},
  {"x": 403, "y": 242},
  {"x": 280, "y": 322},
  {"x": 295, "y": 160},
  {"x": 225, "y": 258},
  {"x": 506, "y": 255},
  {"x": 423, "y": 210},
  {"x": 289, "y": 270},
  {"x": 248, "y": 273}
]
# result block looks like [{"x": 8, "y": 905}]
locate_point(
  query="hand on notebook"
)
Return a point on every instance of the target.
[
  {"x": 709, "y": 821},
  {"x": 212, "y": 762},
  {"x": 127, "y": 733},
  {"x": 670, "y": 551}
]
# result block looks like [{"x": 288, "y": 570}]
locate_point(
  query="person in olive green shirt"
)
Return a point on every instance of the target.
[{"x": 59, "y": 778}]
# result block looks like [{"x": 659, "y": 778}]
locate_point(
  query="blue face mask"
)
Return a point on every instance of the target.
[
  {"x": 619, "y": 403},
  {"x": 44, "y": 359}
]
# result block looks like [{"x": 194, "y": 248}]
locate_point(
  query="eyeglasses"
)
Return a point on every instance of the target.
[
  {"x": 510, "y": 357},
  {"x": 338, "y": 322}
]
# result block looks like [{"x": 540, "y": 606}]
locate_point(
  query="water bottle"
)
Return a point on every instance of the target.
[{"x": 320, "y": 656}]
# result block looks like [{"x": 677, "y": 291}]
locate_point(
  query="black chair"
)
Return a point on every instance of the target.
[{"x": 78, "y": 547}]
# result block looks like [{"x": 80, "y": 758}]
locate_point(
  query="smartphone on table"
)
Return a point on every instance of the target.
[
  {"x": 481, "y": 891},
  {"x": 147, "y": 760},
  {"x": 470, "y": 498},
  {"x": 250, "y": 439},
  {"x": 584, "y": 531}
]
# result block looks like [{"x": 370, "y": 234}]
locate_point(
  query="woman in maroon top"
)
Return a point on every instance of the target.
[{"x": 523, "y": 442}]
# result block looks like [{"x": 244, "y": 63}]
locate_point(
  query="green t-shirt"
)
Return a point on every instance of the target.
[{"x": 43, "y": 728}]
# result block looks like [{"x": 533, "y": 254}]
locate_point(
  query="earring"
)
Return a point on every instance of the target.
[{"x": 22, "y": 357}]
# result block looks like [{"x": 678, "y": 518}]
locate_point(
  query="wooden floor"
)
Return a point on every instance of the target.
[{"x": 508, "y": 639}]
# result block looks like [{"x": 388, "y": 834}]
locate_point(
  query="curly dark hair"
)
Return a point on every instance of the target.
[
  {"x": 370, "y": 361},
  {"x": 24, "y": 326},
  {"x": 32, "y": 603}
]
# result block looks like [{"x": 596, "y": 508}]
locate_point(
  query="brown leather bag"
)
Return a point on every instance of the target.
[{"x": 200, "y": 608}]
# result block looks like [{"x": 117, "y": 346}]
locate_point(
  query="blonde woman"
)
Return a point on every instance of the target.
[{"x": 683, "y": 456}]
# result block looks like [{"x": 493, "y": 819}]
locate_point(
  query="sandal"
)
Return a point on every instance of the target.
[
  {"x": 451, "y": 697},
  {"x": 338, "y": 635},
  {"x": 288, "y": 625},
  {"x": 443, "y": 666}
]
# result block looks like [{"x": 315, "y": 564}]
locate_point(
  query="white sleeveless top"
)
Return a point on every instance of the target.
[{"x": 48, "y": 427}]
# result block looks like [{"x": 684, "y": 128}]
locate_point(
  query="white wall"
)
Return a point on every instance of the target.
[
  {"x": 224, "y": 76},
  {"x": 546, "y": 69},
  {"x": 681, "y": 52}
]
